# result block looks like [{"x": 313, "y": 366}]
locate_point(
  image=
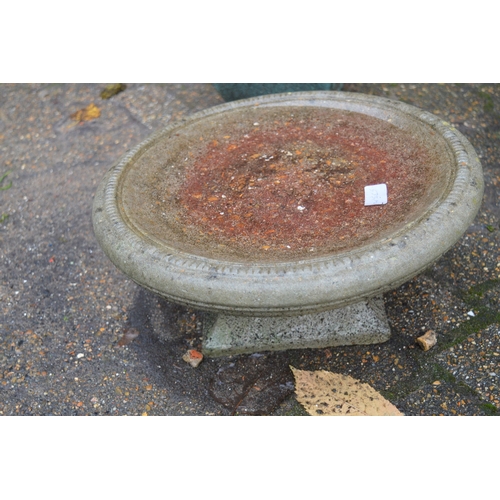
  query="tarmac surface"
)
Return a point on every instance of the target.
[{"x": 77, "y": 337}]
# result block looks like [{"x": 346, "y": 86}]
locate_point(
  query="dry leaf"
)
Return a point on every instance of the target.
[
  {"x": 326, "y": 393},
  {"x": 91, "y": 112},
  {"x": 112, "y": 89}
]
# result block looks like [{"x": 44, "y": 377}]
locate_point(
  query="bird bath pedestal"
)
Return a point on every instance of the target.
[{"x": 256, "y": 211}]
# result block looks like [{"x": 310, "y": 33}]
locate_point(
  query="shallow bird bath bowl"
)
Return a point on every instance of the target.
[{"x": 255, "y": 211}]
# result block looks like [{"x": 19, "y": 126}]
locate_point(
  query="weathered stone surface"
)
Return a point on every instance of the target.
[
  {"x": 361, "y": 323},
  {"x": 193, "y": 357},
  {"x": 146, "y": 232},
  {"x": 428, "y": 340},
  {"x": 280, "y": 234}
]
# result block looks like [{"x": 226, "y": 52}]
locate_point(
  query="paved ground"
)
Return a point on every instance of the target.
[{"x": 78, "y": 338}]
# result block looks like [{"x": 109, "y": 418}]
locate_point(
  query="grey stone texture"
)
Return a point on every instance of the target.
[
  {"x": 258, "y": 288},
  {"x": 356, "y": 324}
]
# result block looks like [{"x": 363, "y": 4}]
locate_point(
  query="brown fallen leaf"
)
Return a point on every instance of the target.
[
  {"x": 91, "y": 112},
  {"x": 112, "y": 89},
  {"x": 326, "y": 393},
  {"x": 129, "y": 335}
]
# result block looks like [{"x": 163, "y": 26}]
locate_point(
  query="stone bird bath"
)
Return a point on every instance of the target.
[{"x": 255, "y": 211}]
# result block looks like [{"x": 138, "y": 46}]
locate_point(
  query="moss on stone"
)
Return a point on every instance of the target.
[{"x": 489, "y": 408}]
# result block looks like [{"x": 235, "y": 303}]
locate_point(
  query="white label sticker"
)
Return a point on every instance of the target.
[{"x": 376, "y": 194}]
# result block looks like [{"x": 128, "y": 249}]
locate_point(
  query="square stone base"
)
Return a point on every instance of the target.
[{"x": 361, "y": 323}]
